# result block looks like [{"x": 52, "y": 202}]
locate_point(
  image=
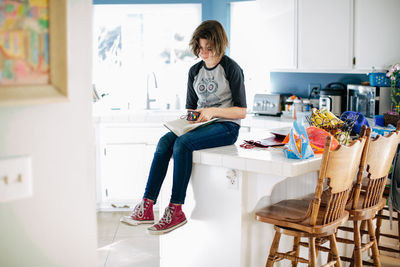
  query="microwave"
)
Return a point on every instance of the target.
[{"x": 368, "y": 100}]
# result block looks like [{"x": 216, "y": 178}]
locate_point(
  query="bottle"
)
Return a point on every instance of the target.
[
  {"x": 298, "y": 105},
  {"x": 177, "y": 102}
]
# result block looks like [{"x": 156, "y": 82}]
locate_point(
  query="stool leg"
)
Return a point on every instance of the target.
[
  {"x": 378, "y": 226},
  {"x": 357, "y": 244},
  {"x": 296, "y": 247},
  {"x": 334, "y": 251},
  {"x": 273, "y": 250},
  {"x": 375, "y": 252},
  {"x": 398, "y": 226},
  {"x": 312, "y": 252}
]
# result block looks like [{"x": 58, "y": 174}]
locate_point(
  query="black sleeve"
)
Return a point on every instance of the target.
[
  {"x": 235, "y": 78},
  {"x": 191, "y": 96}
]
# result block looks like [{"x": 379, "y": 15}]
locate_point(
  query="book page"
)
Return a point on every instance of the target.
[{"x": 182, "y": 126}]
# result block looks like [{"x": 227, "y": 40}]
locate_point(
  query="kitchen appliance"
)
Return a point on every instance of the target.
[
  {"x": 267, "y": 104},
  {"x": 368, "y": 100},
  {"x": 332, "y": 97}
]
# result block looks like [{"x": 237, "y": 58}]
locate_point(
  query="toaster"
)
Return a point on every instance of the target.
[{"x": 267, "y": 104}]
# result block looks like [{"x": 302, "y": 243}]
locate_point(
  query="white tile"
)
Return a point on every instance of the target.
[
  {"x": 135, "y": 251},
  {"x": 196, "y": 157},
  {"x": 261, "y": 166},
  {"x": 234, "y": 162},
  {"x": 212, "y": 159}
]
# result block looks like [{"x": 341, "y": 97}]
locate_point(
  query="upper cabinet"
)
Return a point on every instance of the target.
[
  {"x": 278, "y": 33},
  {"x": 330, "y": 35},
  {"x": 376, "y": 33},
  {"x": 325, "y": 34}
]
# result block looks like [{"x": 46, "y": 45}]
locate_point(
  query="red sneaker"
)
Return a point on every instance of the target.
[
  {"x": 173, "y": 218},
  {"x": 141, "y": 214}
]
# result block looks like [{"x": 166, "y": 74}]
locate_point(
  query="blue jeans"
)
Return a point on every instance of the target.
[{"x": 181, "y": 148}]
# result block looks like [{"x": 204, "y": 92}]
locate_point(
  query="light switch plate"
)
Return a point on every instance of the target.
[{"x": 15, "y": 178}]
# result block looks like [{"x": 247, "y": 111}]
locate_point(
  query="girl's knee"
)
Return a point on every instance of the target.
[
  {"x": 166, "y": 143},
  {"x": 182, "y": 145}
]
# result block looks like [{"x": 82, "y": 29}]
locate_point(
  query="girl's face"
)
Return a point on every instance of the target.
[{"x": 206, "y": 51}]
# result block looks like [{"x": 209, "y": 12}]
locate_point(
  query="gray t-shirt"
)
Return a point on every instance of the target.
[{"x": 221, "y": 86}]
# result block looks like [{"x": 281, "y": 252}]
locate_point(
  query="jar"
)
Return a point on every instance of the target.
[
  {"x": 298, "y": 105},
  {"x": 307, "y": 105},
  {"x": 288, "y": 104}
]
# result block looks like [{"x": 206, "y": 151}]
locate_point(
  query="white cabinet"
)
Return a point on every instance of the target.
[
  {"x": 278, "y": 33},
  {"x": 325, "y": 34},
  {"x": 377, "y": 33},
  {"x": 124, "y": 170},
  {"x": 126, "y": 151}
]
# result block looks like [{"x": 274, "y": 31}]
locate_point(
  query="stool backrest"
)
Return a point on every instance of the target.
[
  {"x": 338, "y": 168},
  {"x": 379, "y": 154}
]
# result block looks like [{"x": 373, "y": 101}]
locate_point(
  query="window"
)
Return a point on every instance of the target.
[{"x": 141, "y": 54}]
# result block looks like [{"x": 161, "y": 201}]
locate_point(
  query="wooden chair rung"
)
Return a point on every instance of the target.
[
  {"x": 320, "y": 248},
  {"x": 342, "y": 258},
  {"x": 350, "y": 229},
  {"x": 366, "y": 246},
  {"x": 344, "y": 240},
  {"x": 386, "y": 217},
  {"x": 389, "y": 236},
  {"x": 291, "y": 257},
  {"x": 389, "y": 249},
  {"x": 331, "y": 263}
]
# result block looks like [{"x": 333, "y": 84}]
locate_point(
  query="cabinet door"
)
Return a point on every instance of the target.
[
  {"x": 125, "y": 169},
  {"x": 278, "y": 33},
  {"x": 377, "y": 33},
  {"x": 325, "y": 34}
]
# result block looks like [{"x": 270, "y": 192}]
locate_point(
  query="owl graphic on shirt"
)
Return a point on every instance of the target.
[{"x": 206, "y": 90}]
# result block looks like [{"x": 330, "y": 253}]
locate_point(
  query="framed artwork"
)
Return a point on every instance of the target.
[{"x": 33, "y": 52}]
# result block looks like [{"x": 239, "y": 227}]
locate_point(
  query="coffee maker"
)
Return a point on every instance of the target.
[{"x": 333, "y": 98}]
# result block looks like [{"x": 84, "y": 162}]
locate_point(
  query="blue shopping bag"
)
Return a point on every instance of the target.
[{"x": 298, "y": 146}]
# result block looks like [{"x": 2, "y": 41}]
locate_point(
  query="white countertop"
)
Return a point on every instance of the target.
[{"x": 259, "y": 160}]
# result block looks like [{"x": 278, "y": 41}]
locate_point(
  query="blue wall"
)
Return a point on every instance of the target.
[{"x": 298, "y": 83}]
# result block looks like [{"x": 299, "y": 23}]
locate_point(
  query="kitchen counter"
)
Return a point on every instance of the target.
[{"x": 270, "y": 161}]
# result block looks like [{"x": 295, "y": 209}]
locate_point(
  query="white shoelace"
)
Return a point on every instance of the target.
[
  {"x": 167, "y": 218},
  {"x": 139, "y": 210}
]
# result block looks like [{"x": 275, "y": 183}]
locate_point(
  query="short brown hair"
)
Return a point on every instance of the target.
[{"x": 214, "y": 33}]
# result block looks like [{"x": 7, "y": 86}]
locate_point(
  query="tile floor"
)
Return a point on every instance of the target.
[{"x": 121, "y": 245}]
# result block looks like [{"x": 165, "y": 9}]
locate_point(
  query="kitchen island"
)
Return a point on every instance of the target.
[{"x": 227, "y": 185}]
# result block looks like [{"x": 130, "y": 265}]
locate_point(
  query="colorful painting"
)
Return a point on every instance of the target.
[{"x": 24, "y": 42}]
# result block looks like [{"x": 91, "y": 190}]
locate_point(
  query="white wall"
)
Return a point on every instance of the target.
[{"x": 57, "y": 226}]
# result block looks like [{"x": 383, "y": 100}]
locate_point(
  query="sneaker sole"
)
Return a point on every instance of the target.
[
  {"x": 134, "y": 223},
  {"x": 165, "y": 231}
]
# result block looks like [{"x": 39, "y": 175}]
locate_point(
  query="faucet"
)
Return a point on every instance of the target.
[{"x": 148, "y": 99}]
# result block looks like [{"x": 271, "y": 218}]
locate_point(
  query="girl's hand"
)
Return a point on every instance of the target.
[{"x": 206, "y": 114}]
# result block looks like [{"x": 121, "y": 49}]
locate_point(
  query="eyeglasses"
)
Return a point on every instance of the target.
[{"x": 248, "y": 144}]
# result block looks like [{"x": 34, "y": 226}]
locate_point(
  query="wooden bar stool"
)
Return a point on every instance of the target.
[
  {"x": 311, "y": 219},
  {"x": 367, "y": 194}
]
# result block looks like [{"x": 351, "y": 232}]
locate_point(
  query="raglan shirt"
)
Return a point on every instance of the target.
[{"x": 221, "y": 86}]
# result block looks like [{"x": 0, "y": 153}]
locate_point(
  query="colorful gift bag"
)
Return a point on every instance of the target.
[{"x": 298, "y": 146}]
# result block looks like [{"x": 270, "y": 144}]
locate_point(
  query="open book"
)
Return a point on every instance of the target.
[{"x": 182, "y": 126}]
